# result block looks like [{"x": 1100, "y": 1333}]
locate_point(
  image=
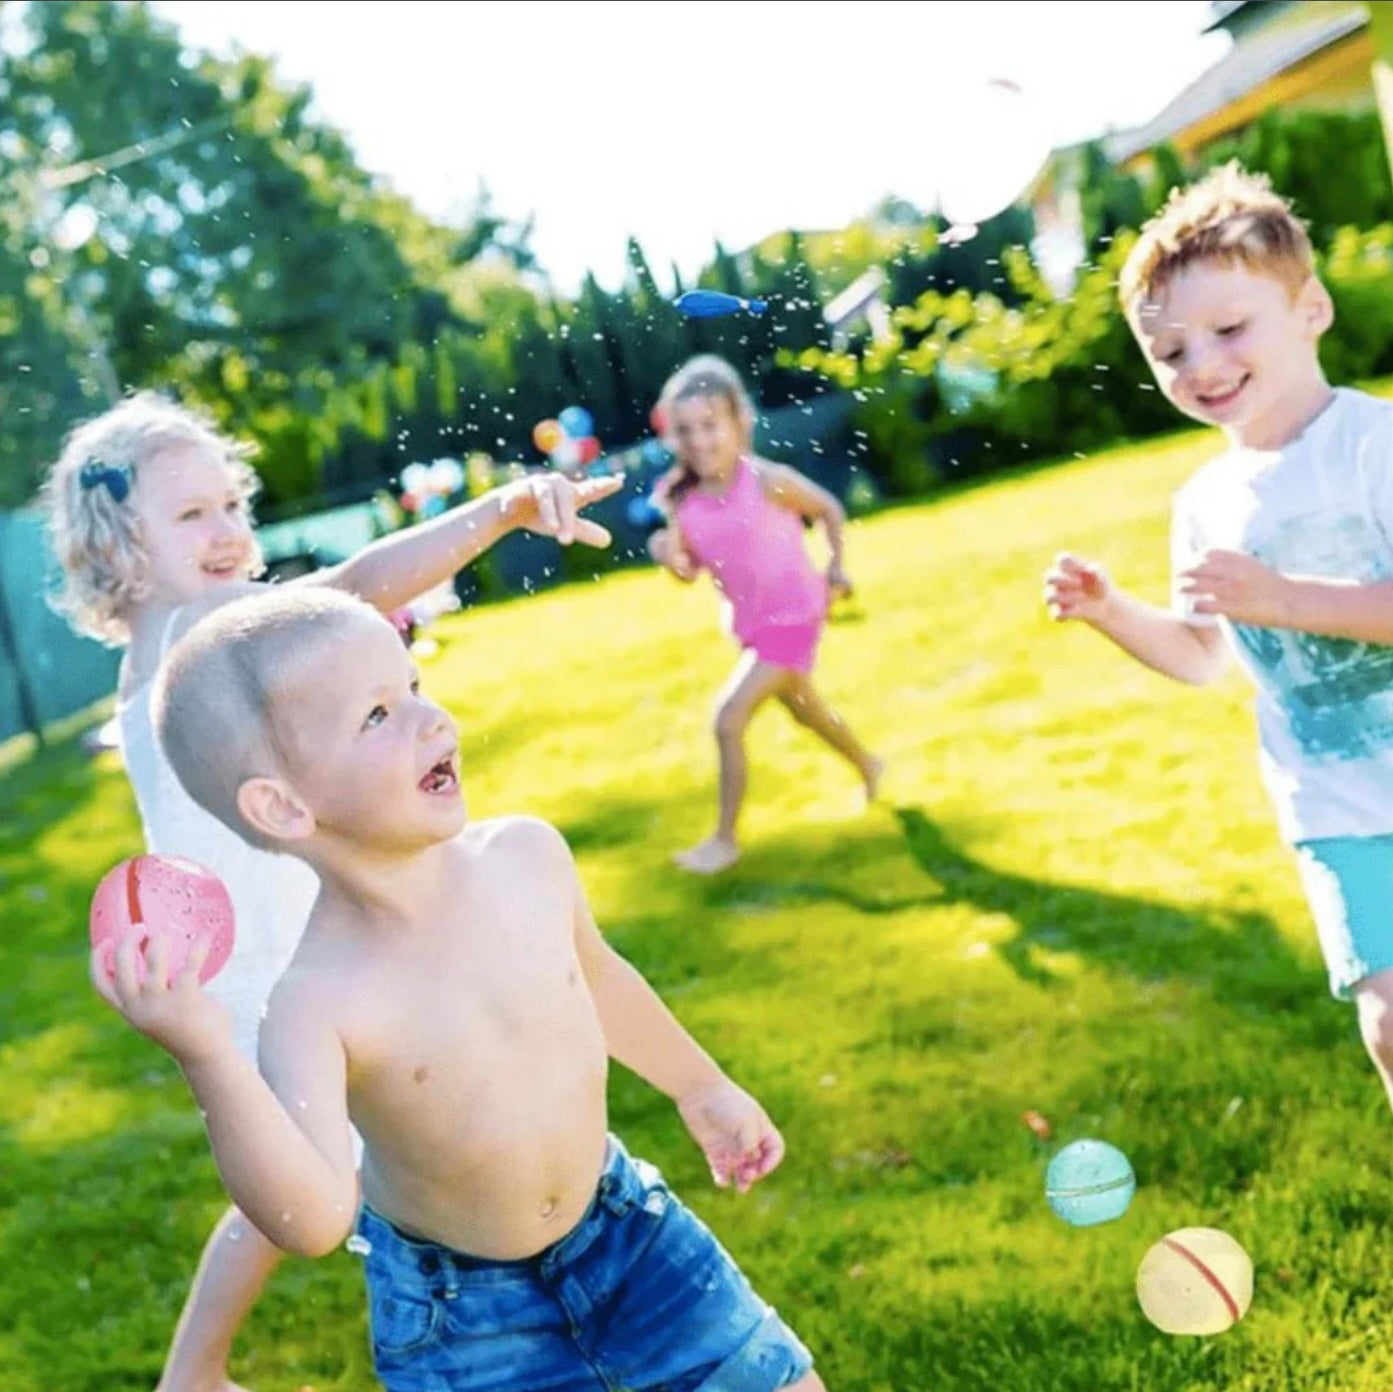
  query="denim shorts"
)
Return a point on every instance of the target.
[
  {"x": 639, "y": 1296},
  {"x": 1349, "y": 885}
]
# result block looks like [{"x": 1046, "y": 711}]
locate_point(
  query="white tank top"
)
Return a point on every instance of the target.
[{"x": 271, "y": 893}]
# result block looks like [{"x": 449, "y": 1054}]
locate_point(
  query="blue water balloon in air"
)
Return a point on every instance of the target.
[{"x": 712, "y": 304}]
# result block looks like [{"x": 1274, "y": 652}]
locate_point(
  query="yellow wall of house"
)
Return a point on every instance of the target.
[
  {"x": 1335, "y": 79},
  {"x": 1277, "y": 18}
]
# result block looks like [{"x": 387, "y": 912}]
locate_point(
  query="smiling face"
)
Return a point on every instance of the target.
[
  {"x": 375, "y": 761},
  {"x": 194, "y": 525},
  {"x": 708, "y": 436},
  {"x": 1237, "y": 348}
]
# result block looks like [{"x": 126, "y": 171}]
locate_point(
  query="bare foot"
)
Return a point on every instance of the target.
[
  {"x": 872, "y": 774},
  {"x": 712, "y": 856},
  {"x": 221, "y": 1383}
]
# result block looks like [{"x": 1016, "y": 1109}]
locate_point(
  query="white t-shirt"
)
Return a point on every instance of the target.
[
  {"x": 1320, "y": 506},
  {"x": 271, "y": 894}
]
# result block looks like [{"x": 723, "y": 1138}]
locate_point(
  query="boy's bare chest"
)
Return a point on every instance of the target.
[{"x": 467, "y": 1012}]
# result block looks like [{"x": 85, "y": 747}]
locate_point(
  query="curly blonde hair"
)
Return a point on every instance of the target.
[
  {"x": 96, "y": 534},
  {"x": 1231, "y": 217}
]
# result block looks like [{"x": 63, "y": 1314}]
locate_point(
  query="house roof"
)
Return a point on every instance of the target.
[
  {"x": 862, "y": 291},
  {"x": 1244, "y": 67},
  {"x": 1220, "y": 10}
]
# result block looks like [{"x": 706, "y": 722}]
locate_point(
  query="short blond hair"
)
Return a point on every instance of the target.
[
  {"x": 222, "y": 700},
  {"x": 1230, "y": 217},
  {"x": 96, "y": 536}
]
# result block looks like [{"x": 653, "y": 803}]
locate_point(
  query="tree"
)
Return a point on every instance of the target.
[
  {"x": 1332, "y": 165},
  {"x": 240, "y": 256}
]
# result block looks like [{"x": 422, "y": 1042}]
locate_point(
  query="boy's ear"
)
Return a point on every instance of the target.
[
  {"x": 273, "y": 808},
  {"x": 1317, "y": 306}
]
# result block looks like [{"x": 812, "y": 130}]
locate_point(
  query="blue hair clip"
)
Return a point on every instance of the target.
[{"x": 117, "y": 479}]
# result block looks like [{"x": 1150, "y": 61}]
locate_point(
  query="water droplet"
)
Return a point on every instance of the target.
[{"x": 358, "y": 1245}]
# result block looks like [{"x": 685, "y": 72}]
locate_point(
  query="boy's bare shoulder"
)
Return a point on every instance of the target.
[
  {"x": 305, "y": 998},
  {"x": 514, "y": 835}
]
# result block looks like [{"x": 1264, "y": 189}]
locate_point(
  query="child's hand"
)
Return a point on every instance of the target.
[
  {"x": 672, "y": 555},
  {"x": 1077, "y": 589},
  {"x": 549, "y": 504},
  {"x": 839, "y": 584},
  {"x": 179, "y": 1016},
  {"x": 741, "y": 1144},
  {"x": 1238, "y": 586}
]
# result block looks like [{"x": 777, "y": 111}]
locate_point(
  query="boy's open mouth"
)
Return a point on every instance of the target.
[{"x": 441, "y": 778}]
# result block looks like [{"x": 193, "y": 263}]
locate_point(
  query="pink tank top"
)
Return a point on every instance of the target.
[{"x": 754, "y": 550}]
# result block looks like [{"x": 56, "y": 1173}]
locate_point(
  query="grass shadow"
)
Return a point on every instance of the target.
[{"x": 1243, "y": 956}]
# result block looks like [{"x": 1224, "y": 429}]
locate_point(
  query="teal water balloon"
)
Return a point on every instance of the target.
[{"x": 1090, "y": 1182}]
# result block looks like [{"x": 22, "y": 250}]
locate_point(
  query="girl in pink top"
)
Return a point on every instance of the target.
[{"x": 741, "y": 519}]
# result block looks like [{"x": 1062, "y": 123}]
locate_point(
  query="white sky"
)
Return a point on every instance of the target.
[{"x": 682, "y": 121}]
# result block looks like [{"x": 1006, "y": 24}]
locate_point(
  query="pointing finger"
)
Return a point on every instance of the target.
[{"x": 591, "y": 533}]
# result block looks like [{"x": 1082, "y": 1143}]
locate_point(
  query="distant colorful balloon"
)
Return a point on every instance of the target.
[
  {"x": 642, "y": 512},
  {"x": 445, "y": 476},
  {"x": 712, "y": 304},
  {"x": 654, "y": 455},
  {"x": 577, "y": 422},
  {"x": 415, "y": 478},
  {"x": 425, "y": 488},
  {"x": 565, "y": 454},
  {"x": 547, "y": 434},
  {"x": 569, "y": 441}
]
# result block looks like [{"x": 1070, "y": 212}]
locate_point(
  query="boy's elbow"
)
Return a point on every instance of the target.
[
  {"x": 319, "y": 1248},
  {"x": 1210, "y": 662},
  {"x": 1207, "y": 675},
  {"x": 314, "y": 1225},
  {"x": 317, "y": 1239}
]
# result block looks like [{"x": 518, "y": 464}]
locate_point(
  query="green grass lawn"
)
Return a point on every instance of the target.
[{"x": 1072, "y": 900}]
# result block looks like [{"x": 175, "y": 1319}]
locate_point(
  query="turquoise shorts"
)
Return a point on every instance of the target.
[{"x": 1349, "y": 886}]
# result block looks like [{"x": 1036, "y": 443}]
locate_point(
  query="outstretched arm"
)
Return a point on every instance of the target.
[
  {"x": 395, "y": 569},
  {"x": 1081, "y": 589}
]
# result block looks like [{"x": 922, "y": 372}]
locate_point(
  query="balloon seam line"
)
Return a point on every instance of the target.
[
  {"x": 1230, "y": 1303},
  {"x": 133, "y": 896}
]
